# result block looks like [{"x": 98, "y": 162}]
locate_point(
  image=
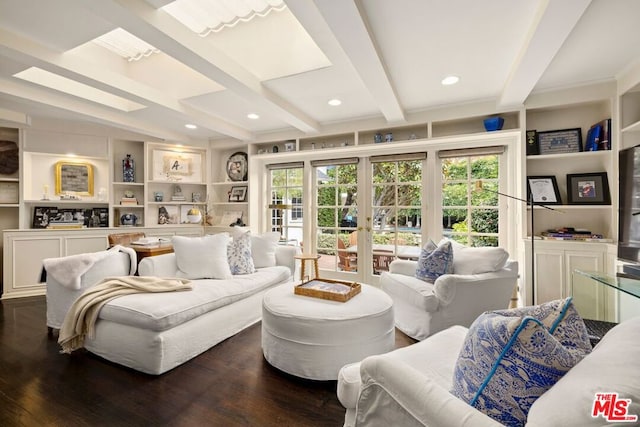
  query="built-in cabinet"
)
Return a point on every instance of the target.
[{"x": 25, "y": 250}]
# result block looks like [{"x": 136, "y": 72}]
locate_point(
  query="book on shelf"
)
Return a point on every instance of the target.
[
  {"x": 575, "y": 236},
  {"x": 128, "y": 201}
]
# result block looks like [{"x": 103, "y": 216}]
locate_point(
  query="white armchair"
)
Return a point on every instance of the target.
[
  {"x": 423, "y": 308},
  {"x": 410, "y": 386}
]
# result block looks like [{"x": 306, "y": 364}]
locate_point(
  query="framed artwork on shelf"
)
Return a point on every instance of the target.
[
  {"x": 560, "y": 141},
  {"x": 173, "y": 166},
  {"x": 168, "y": 214},
  {"x": 238, "y": 194},
  {"x": 74, "y": 178},
  {"x": 544, "y": 190},
  {"x": 9, "y": 158},
  {"x": 237, "y": 166},
  {"x": 588, "y": 189}
]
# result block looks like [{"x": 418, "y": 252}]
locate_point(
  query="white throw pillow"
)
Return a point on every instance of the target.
[
  {"x": 470, "y": 260},
  {"x": 263, "y": 249},
  {"x": 203, "y": 257}
]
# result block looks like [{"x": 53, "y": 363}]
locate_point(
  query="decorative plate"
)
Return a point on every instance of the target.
[
  {"x": 237, "y": 166},
  {"x": 8, "y": 157}
]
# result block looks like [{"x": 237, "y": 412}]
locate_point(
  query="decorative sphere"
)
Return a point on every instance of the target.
[{"x": 194, "y": 216}]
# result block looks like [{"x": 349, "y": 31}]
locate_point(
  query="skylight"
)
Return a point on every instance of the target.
[
  {"x": 206, "y": 16},
  {"x": 125, "y": 44}
]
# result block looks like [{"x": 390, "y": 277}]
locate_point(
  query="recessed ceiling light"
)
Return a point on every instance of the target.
[
  {"x": 253, "y": 116},
  {"x": 190, "y": 126},
  {"x": 334, "y": 102},
  {"x": 450, "y": 80}
]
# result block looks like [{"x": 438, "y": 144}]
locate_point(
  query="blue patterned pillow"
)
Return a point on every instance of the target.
[
  {"x": 434, "y": 261},
  {"x": 511, "y": 357},
  {"x": 239, "y": 255}
]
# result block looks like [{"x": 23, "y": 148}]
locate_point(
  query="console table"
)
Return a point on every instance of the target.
[{"x": 628, "y": 287}]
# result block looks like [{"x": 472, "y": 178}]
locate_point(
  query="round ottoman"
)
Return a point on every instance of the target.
[{"x": 313, "y": 338}]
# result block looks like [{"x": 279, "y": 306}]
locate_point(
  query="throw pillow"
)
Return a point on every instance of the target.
[
  {"x": 471, "y": 260},
  {"x": 263, "y": 249},
  {"x": 434, "y": 261},
  {"x": 239, "y": 254},
  {"x": 202, "y": 257},
  {"x": 511, "y": 357}
]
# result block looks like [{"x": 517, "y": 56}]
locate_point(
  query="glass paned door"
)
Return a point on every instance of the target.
[
  {"x": 396, "y": 212},
  {"x": 337, "y": 216},
  {"x": 286, "y": 203}
]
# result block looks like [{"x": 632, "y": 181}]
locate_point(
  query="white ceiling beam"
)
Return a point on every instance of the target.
[
  {"x": 349, "y": 25},
  {"x": 14, "y": 118},
  {"x": 110, "y": 117},
  {"x": 552, "y": 25},
  {"x": 74, "y": 67},
  {"x": 162, "y": 31}
]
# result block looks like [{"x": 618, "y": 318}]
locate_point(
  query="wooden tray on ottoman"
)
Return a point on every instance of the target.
[{"x": 334, "y": 290}]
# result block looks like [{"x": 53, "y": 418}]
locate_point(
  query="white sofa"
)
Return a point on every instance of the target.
[
  {"x": 154, "y": 333},
  {"x": 424, "y": 308},
  {"x": 410, "y": 386}
]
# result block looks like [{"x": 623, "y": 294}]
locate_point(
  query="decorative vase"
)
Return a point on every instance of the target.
[
  {"x": 128, "y": 169},
  {"x": 128, "y": 219}
]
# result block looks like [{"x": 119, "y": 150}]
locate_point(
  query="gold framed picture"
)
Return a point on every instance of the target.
[{"x": 74, "y": 177}]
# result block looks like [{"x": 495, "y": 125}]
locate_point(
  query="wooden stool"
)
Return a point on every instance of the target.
[{"x": 303, "y": 259}]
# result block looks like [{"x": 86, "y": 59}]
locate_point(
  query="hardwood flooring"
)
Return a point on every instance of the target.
[{"x": 228, "y": 385}]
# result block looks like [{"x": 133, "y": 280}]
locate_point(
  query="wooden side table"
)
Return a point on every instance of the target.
[
  {"x": 144, "y": 251},
  {"x": 308, "y": 257}
]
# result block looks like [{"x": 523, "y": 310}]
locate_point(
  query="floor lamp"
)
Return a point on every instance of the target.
[{"x": 531, "y": 203}]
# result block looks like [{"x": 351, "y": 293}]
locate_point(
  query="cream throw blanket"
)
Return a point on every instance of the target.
[{"x": 80, "y": 320}]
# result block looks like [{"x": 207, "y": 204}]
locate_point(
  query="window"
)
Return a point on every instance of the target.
[
  {"x": 471, "y": 216},
  {"x": 286, "y": 201}
]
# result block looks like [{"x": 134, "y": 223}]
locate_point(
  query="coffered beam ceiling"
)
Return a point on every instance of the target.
[
  {"x": 553, "y": 23},
  {"x": 75, "y": 68},
  {"x": 383, "y": 59},
  {"x": 162, "y": 31},
  {"x": 349, "y": 26}
]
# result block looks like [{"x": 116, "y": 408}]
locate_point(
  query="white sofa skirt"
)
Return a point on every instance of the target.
[{"x": 155, "y": 352}]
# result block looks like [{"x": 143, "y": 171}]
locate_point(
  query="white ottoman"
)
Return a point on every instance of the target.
[{"x": 313, "y": 338}]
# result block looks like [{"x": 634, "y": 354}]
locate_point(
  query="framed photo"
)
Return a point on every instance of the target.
[
  {"x": 168, "y": 214},
  {"x": 42, "y": 215},
  {"x": 544, "y": 190},
  {"x": 560, "y": 141},
  {"x": 238, "y": 194},
  {"x": 588, "y": 188},
  {"x": 289, "y": 146},
  {"x": 532, "y": 143},
  {"x": 177, "y": 166},
  {"x": 75, "y": 178}
]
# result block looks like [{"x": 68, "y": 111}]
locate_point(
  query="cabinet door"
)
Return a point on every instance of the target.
[
  {"x": 550, "y": 275},
  {"x": 588, "y": 296},
  {"x": 23, "y": 278}
]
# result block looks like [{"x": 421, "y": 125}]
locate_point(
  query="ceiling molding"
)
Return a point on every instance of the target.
[
  {"x": 162, "y": 31},
  {"x": 349, "y": 26},
  {"x": 551, "y": 27}
]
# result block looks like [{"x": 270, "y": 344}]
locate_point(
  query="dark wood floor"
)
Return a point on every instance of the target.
[{"x": 229, "y": 385}]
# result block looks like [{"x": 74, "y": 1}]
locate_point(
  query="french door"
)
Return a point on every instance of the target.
[{"x": 368, "y": 213}]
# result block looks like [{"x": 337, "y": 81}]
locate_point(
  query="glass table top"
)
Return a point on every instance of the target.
[{"x": 620, "y": 282}]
